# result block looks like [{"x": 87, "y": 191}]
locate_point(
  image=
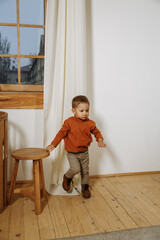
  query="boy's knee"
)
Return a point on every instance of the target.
[{"x": 75, "y": 170}]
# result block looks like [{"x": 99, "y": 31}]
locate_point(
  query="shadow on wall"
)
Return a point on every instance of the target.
[
  {"x": 16, "y": 137},
  {"x": 102, "y": 158},
  {"x": 96, "y": 154}
]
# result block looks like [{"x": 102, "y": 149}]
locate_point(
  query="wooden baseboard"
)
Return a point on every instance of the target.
[
  {"x": 101, "y": 176},
  {"x": 123, "y": 174}
]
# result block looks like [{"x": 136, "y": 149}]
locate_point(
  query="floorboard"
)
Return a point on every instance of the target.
[{"x": 116, "y": 203}]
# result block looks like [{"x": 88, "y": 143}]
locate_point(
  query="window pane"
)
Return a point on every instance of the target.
[
  {"x": 32, "y": 70},
  {"x": 8, "y": 11},
  {"x": 31, "y": 12},
  {"x": 31, "y": 41},
  {"x": 8, "y": 70},
  {"x": 8, "y": 40}
]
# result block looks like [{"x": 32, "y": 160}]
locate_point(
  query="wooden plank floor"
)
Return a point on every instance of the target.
[{"x": 117, "y": 203}]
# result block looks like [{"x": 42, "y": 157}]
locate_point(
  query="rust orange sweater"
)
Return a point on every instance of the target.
[{"x": 77, "y": 134}]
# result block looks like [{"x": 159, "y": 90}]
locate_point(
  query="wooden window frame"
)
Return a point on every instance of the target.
[{"x": 19, "y": 96}]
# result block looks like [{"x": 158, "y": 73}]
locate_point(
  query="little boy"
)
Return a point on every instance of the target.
[{"x": 76, "y": 132}]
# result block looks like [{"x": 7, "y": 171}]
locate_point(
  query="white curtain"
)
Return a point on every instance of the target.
[{"x": 64, "y": 77}]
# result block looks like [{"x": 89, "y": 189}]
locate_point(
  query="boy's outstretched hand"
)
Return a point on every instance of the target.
[
  {"x": 50, "y": 147},
  {"x": 101, "y": 143}
]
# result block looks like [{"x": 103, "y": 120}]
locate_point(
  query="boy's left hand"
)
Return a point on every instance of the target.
[{"x": 101, "y": 143}]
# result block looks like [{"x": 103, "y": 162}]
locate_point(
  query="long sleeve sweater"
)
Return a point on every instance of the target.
[{"x": 77, "y": 134}]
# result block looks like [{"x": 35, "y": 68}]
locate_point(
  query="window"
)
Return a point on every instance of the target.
[{"x": 22, "y": 31}]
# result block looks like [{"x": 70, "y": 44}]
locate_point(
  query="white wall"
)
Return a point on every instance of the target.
[
  {"x": 25, "y": 129},
  {"x": 125, "y": 84},
  {"x": 123, "y": 87}
]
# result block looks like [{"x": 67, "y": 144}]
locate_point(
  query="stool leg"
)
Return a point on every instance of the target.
[
  {"x": 42, "y": 179},
  {"x": 37, "y": 186},
  {"x": 13, "y": 181}
]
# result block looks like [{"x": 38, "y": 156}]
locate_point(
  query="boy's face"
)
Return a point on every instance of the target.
[{"x": 81, "y": 111}]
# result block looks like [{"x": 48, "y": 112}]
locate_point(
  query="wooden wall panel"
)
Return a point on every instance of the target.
[
  {"x": 21, "y": 100},
  {"x": 3, "y": 159}
]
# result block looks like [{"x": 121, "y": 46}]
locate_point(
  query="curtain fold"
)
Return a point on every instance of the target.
[{"x": 64, "y": 77}]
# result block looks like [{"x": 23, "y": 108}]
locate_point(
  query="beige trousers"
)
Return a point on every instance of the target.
[{"x": 79, "y": 162}]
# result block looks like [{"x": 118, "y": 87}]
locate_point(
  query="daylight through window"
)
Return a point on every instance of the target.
[{"x": 22, "y": 30}]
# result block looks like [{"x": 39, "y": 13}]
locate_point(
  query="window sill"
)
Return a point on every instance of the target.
[
  {"x": 21, "y": 100},
  {"x": 20, "y": 88}
]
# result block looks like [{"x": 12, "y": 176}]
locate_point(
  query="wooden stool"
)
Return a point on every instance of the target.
[{"x": 35, "y": 154}]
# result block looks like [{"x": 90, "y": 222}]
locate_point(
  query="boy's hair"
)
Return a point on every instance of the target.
[{"x": 79, "y": 99}]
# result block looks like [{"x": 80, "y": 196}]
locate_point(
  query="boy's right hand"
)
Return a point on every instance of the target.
[{"x": 50, "y": 147}]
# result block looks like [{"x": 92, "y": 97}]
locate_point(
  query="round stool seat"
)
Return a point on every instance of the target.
[{"x": 30, "y": 153}]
